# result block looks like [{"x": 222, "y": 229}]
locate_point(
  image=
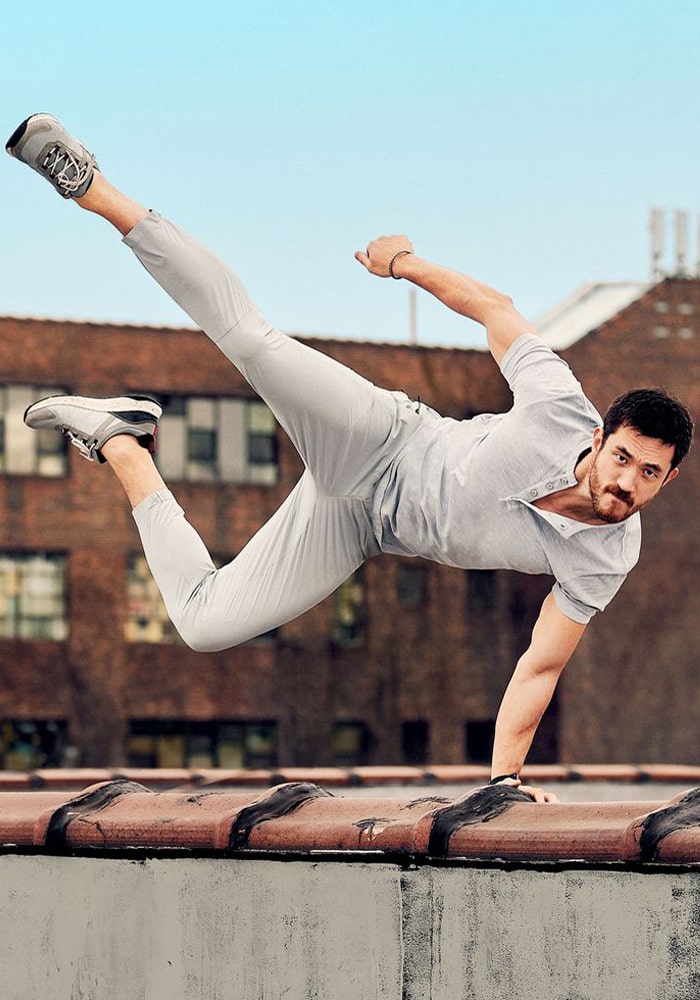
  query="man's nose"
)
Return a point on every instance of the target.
[{"x": 626, "y": 480}]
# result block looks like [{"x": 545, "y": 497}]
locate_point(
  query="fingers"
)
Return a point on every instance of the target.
[
  {"x": 379, "y": 253},
  {"x": 373, "y": 266},
  {"x": 372, "y": 263},
  {"x": 539, "y": 794},
  {"x": 536, "y": 794}
]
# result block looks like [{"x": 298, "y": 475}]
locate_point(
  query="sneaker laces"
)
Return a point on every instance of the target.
[
  {"x": 66, "y": 169},
  {"x": 80, "y": 443}
]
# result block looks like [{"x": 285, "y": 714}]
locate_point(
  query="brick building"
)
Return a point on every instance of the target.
[{"x": 407, "y": 661}]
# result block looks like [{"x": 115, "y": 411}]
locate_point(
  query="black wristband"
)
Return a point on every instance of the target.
[{"x": 504, "y": 777}]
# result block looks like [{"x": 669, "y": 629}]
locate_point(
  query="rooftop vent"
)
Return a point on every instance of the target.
[{"x": 680, "y": 267}]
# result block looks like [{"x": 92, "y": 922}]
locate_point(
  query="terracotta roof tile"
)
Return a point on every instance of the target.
[{"x": 487, "y": 823}]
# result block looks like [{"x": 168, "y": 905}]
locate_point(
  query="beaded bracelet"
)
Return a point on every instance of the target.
[{"x": 399, "y": 253}]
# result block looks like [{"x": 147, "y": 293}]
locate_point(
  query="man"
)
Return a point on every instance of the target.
[{"x": 545, "y": 488}]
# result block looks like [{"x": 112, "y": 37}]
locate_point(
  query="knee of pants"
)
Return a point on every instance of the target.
[
  {"x": 200, "y": 637},
  {"x": 199, "y": 643},
  {"x": 205, "y": 634}
]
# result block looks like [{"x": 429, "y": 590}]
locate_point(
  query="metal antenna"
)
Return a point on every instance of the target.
[
  {"x": 681, "y": 226},
  {"x": 412, "y": 317},
  {"x": 657, "y": 243}
]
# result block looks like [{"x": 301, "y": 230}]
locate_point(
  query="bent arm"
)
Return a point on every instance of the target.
[
  {"x": 554, "y": 639},
  {"x": 462, "y": 294}
]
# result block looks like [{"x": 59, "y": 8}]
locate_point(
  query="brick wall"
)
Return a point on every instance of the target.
[
  {"x": 632, "y": 692},
  {"x": 629, "y": 693}
]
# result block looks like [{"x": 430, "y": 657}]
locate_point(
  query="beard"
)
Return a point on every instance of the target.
[{"x": 610, "y": 504}]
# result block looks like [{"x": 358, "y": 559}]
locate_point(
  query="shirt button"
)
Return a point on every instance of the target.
[
  {"x": 550, "y": 486},
  {"x": 533, "y": 493}
]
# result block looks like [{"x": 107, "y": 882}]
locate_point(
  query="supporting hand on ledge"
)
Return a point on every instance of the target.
[
  {"x": 513, "y": 781},
  {"x": 538, "y": 794}
]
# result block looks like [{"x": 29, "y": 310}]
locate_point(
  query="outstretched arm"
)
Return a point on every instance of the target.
[
  {"x": 554, "y": 639},
  {"x": 464, "y": 295}
]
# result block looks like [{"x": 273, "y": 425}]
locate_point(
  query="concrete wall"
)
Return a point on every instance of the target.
[{"x": 232, "y": 929}]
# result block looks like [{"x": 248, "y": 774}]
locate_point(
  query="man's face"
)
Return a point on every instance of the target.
[{"x": 628, "y": 471}]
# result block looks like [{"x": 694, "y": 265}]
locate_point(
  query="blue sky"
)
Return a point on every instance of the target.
[{"x": 523, "y": 143}]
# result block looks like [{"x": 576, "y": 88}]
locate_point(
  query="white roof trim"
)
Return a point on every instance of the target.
[{"x": 586, "y": 309}]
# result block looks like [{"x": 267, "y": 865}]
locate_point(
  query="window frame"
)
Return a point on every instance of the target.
[{"x": 26, "y": 625}]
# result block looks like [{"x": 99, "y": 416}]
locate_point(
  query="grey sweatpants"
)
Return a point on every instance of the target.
[{"x": 346, "y": 430}]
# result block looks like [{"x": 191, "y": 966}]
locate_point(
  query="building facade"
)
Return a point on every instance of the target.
[{"x": 405, "y": 663}]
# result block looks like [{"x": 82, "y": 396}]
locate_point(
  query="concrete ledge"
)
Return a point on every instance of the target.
[{"x": 304, "y": 818}]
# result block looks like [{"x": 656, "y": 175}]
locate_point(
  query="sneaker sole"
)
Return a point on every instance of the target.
[{"x": 117, "y": 405}]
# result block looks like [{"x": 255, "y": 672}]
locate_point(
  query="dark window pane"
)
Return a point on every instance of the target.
[
  {"x": 201, "y": 446},
  {"x": 411, "y": 584},
  {"x": 351, "y": 744},
  {"x": 414, "y": 741},
  {"x": 196, "y": 743},
  {"x": 262, "y": 449},
  {"x": 479, "y": 740},
  {"x": 481, "y": 589},
  {"x": 33, "y": 743}
]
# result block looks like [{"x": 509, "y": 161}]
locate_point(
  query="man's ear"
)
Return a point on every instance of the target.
[
  {"x": 671, "y": 476},
  {"x": 597, "y": 439}
]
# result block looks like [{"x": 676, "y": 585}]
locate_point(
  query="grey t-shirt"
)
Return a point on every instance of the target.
[{"x": 462, "y": 492}]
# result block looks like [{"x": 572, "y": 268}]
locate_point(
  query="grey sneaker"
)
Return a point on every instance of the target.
[
  {"x": 43, "y": 143},
  {"x": 88, "y": 422}
]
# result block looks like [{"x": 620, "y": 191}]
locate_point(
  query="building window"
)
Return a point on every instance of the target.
[
  {"x": 412, "y": 584},
  {"x": 27, "y": 744},
  {"x": 415, "y": 738},
  {"x": 351, "y": 744},
  {"x": 481, "y": 589},
  {"x": 204, "y": 439},
  {"x": 32, "y": 596},
  {"x": 479, "y": 740},
  {"x": 194, "y": 744},
  {"x": 349, "y": 629},
  {"x": 24, "y": 452},
  {"x": 146, "y": 617}
]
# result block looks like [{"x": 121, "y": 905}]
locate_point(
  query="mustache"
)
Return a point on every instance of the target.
[{"x": 622, "y": 495}]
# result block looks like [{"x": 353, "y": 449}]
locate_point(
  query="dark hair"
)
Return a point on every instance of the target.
[{"x": 655, "y": 414}]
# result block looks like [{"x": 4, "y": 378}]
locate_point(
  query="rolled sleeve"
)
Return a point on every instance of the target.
[
  {"x": 534, "y": 372},
  {"x": 584, "y": 597}
]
